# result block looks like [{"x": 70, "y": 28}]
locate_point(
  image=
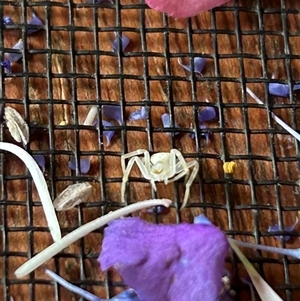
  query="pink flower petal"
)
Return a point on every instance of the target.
[{"x": 184, "y": 8}]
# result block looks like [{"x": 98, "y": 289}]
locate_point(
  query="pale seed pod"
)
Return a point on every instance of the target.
[
  {"x": 73, "y": 195},
  {"x": 17, "y": 126}
]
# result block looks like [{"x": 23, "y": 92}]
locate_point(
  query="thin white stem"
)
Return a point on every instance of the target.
[
  {"x": 40, "y": 185},
  {"x": 277, "y": 119},
  {"x": 288, "y": 252},
  {"x": 263, "y": 289},
  {"x": 80, "y": 232},
  {"x": 71, "y": 287},
  {"x": 89, "y": 120}
]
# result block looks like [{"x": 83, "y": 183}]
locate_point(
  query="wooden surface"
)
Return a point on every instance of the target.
[{"x": 213, "y": 190}]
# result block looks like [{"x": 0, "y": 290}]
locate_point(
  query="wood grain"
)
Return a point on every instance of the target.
[{"x": 241, "y": 134}]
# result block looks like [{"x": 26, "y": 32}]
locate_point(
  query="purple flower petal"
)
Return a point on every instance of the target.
[
  {"x": 275, "y": 228},
  {"x": 14, "y": 57},
  {"x": 7, "y": 21},
  {"x": 277, "y": 89},
  {"x": 199, "y": 64},
  {"x": 124, "y": 41},
  {"x": 6, "y": 64},
  {"x": 99, "y": 1},
  {"x": 206, "y": 134},
  {"x": 141, "y": 114},
  {"x": 207, "y": 114},
  {"x": 108, "y": 134},
  {"x": 166, "y": 262},
  {"x": 113, "y": 112},
  {"x": 202, "y": 219},
  {"x": 281, "y": 90},
  {"x": 156, "y": 209},
  {"x": 166, "y": 121},
  {"x": 34, "y": 21},
  {"x": 41, "y": 161},
  {"x": 85, "y": 165},
  {"x": 296, "y": 87}
]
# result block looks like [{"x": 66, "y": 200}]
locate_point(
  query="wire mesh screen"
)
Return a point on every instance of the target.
[{"x": 69, "y": 66}]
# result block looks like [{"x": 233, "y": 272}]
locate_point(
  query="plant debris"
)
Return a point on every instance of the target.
[{"x": 72, "y": 196}]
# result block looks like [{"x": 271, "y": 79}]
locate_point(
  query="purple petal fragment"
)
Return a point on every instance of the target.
[
  {"x": 277, "y": 89},
  {"x": 99, "y": 1},
  {"x": 141, "y": 114},
  {"x": 156, "y": 260},
  {"x": 7, "y": 21},
  {"x": 296, "y": 87},
  {"x": 84, "y": 165},
  {"x": 207, "y": 114},
  {"x": 166, "y": 121},
  {"x": 34, "y": 21},
  {"x": 124, "y": 41},
  {"x": 202, "y": 219},
  {"x": 14, "y": 57},
  {"x": 275, "y": 228},
  {"x": 6, "y": 64},
  {"x": 108, "y": 133},
  {"x": 113, "y": 112},
  {"x": 41, "y": 161},
  {"x": 156, "y": 209},
  {"x": 202, "y": 134},
  {"x": 199, "y": 64}
]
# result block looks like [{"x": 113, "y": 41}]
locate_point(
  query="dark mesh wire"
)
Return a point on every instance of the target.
[{"x": 237, "y": 32}]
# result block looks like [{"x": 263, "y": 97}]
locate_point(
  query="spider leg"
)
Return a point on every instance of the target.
[
  {"x": 143, "y": 170},
  {"x": 133, "y": 154},
  {"x": 190, "y": 181}
]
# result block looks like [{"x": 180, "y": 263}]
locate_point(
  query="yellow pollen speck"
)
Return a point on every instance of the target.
[
  {"x": 63, "y": 123},
  {"x": 229, "y": 166}
]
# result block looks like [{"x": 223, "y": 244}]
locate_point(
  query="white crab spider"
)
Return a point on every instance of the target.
[{"x": 166, "y": 167}]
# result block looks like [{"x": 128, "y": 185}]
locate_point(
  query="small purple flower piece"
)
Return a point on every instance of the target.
[
  {"x": 207, "y": 114},
  {"x": 99, "y": 1},
  {"x": 277, "y": 89},
  {"x": 113, "y": 112},
  {"x": 7, "y": 21},
  {"x": 34, "y": 21},
  {"x": 14, "y": 57},
  {"x": 41, "y": 161},
  {"x": 275, "y": 228},
  {"x": 6, "y": 64},
  {"x": 202, "y": 135},
  {"x": 202, "y": 219},
  {"x": 124, "y": 41},
  {"x": 141, "y": 114},
  {"x": 166, "y": 121},
  {"x": 84, "y": 165},
  {"x": 108, "y": 133},
  {"x": 156, "y": 209},
  {"x": 281, "y": 90},
  {"x": 199, "y": 64},
  {"x": 156, "y": 260}
]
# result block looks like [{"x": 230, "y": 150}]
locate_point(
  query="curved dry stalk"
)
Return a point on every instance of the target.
[
  {"x": 40, "y": 185},
  {"x": 263, "y": 289},
  {"x": 80, "y": 232},
  {"x": 89, "y": 120}
]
